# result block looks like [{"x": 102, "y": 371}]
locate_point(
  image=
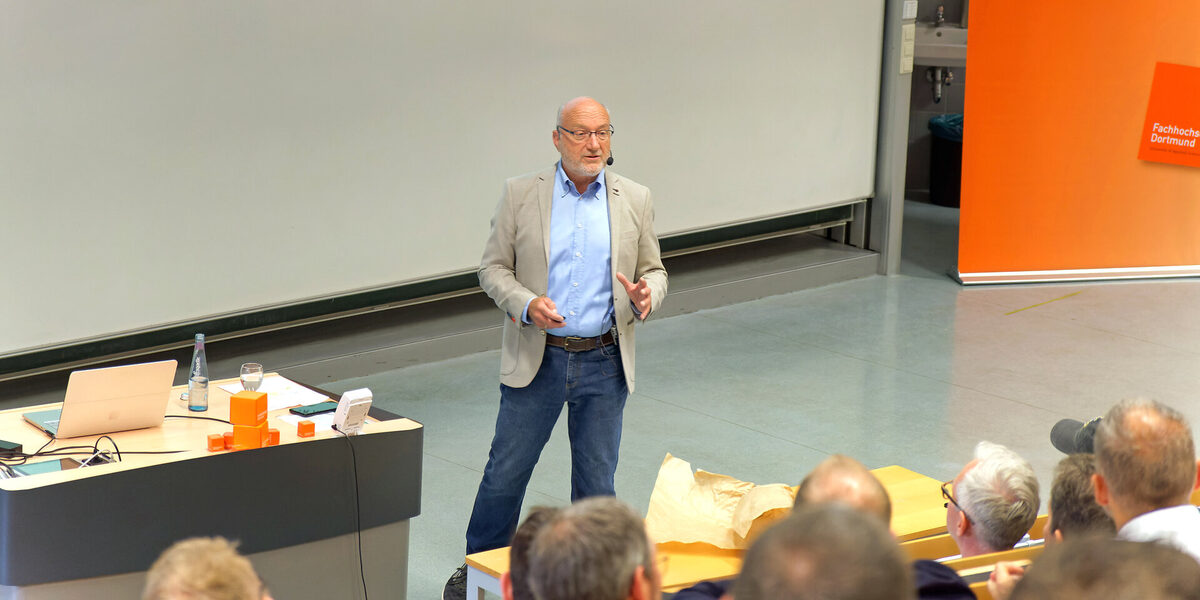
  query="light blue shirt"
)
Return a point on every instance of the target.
[{"x": 580, "y": 277}]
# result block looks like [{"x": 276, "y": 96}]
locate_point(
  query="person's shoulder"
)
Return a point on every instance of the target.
[
  {"x": 935, "y": 580},
  {"x": 705, "y": 590},
  {"x": 625, "y": 184},
  {"x": 531, "y": 178}
]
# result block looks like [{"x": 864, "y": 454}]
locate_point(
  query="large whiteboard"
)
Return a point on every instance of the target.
[{"x": 163, "y": 161}]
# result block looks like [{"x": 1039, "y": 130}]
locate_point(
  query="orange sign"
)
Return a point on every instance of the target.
[{"x": 1172, "y": 127}]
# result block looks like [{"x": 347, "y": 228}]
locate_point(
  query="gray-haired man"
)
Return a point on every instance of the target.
[{"x": 595, "y": 549}]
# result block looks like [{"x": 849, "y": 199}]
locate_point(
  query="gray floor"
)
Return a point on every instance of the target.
[{"x": 910, "y": 370}]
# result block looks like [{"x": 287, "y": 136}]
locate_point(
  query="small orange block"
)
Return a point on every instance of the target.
[
  {"x": 228, "y": 440},
  {"x": 248, "y": 408},
  {"x": 306, "y": 428},
  {"x": 246, "y": 437},
  {"x": 272, "y": 436},
  {"x": 216, "y": 442}
]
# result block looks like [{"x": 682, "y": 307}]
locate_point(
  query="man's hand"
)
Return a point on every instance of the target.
[
  {"x": 639, "y": 295},
  {"x": 1004, "y": 578},
  {"x": 544, "y": 314}
]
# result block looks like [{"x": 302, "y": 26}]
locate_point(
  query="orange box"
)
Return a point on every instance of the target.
[
  {"x": 272, "y": 437},
  {"x": 248, "y": 408},
  {"x": 246, "y": 437},
  {"x": 216, "y": 442},
  {"x": 306, "y": 428},
  {"x": 228, "y": 440}
]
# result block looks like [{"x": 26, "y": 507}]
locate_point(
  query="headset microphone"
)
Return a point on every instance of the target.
[{"x": 609, "y": 161}]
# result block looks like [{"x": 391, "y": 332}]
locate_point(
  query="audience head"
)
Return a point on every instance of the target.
[
  {"x": 827, "y": 551},
  {"x": 994, "y": 501},
  {"x": 1145, "y": 459},
  {"x": 515, "y": 583},
  {"x": 840, "y": 478},
  {"x": 1073, "y": 508},
  {"x": 595, "y": 549},
  {"x": 203, "y": 569},
  {"x": 1088, "y": 567}
]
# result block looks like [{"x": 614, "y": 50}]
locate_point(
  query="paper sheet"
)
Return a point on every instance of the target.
[
  {"x": 711, "y": 508},
  {"x": 281, "y": 392}
]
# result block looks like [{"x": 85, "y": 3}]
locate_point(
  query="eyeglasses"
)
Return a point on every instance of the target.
[
  {"x": 581, "y": 135},
  {"x": 946, "y": 495}
]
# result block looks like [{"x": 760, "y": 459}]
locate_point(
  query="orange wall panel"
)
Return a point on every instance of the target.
[{"x": 1054, "y": 116}]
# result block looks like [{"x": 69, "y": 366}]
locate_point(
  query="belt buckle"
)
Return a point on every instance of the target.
[{"x": 573, "y": 343}]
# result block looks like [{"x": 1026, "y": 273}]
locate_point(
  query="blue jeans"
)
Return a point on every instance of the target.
[{"x": 592, "y": 385}]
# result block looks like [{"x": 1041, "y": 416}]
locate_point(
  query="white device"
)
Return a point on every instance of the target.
[{"x": 352, "y": 411}]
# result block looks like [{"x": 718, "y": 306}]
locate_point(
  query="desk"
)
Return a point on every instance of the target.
[
  {"x": 92, "y": 532},
  {"x": 917, "y": 511}
]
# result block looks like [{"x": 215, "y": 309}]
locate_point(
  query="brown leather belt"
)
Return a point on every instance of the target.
[{"x": 580, "y": 344}]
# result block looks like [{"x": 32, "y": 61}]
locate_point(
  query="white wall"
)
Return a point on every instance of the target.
[{"x": 168, "y": 160}]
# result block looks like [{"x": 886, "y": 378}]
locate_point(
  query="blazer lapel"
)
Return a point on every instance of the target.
[
  {"x": 545, "y": 194},
  {"x": 613, "y": 184}
]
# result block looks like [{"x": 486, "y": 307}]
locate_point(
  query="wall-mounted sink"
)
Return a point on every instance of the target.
[{"x": 940, "y": 46}]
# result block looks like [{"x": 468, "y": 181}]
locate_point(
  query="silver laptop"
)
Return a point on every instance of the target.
[{"x": 110, "y": 399}]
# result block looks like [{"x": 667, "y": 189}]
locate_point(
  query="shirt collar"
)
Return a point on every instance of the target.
[{"x": 565, "y": 185}]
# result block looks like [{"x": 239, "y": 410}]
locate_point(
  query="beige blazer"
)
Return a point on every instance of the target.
[{"x": 515, "y": 261}]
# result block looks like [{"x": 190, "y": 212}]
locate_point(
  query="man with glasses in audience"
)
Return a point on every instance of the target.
[
  {"x": 573, "y": 261},
  {"x": 992, "y": 502}
]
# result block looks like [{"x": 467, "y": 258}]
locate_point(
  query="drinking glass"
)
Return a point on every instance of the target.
[{"x": 252, "y": 376}]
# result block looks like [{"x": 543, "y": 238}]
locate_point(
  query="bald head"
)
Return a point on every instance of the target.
[
  {"x": 1145, "y": 453},
  {"x": 582, "y": 105},
  {"x": 840, "y": 478},
  {"x": 582, "y": 140}
]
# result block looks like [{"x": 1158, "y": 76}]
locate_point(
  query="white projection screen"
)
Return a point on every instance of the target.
[{"x": 168, "y": 161}]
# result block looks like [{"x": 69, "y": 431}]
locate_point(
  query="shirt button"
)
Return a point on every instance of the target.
[
  {"x": 577, "y": 254},
  {"x": 579, "y": 225},
  {"x": 576, "y": 284},
  {"x": 572, "y": 313}
]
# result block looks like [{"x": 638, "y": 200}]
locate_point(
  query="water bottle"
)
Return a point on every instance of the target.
[{"x": 197, "y": 394}]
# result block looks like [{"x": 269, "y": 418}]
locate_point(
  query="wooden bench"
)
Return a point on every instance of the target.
[{"x": 916, "y": 512}]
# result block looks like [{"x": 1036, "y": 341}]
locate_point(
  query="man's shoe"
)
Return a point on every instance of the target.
[{"x": 456, "y": 586}]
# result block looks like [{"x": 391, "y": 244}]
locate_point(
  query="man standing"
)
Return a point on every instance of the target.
[{"x": 574, "y": 262}]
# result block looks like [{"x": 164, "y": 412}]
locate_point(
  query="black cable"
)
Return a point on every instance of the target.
[
  {"x": 357, "y": 511},
  {"x": 111, "y": 441},
  {"x": 198, "y": 417},
  {"x": 22, "y": 457},
  {"x": 75, "y": 450}
]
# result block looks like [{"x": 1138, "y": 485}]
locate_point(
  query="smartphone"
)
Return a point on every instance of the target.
[
  {"x": 315, "y": 409},
  {"x": 48, "y": 466}
]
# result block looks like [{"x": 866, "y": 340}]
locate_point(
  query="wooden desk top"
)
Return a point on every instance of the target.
[
  {"x": 300, "y": 491},
  {"x": 190, "y": 436},
  {"x": 917, "y": 506},
  {"x": 916, "y": 511}
]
